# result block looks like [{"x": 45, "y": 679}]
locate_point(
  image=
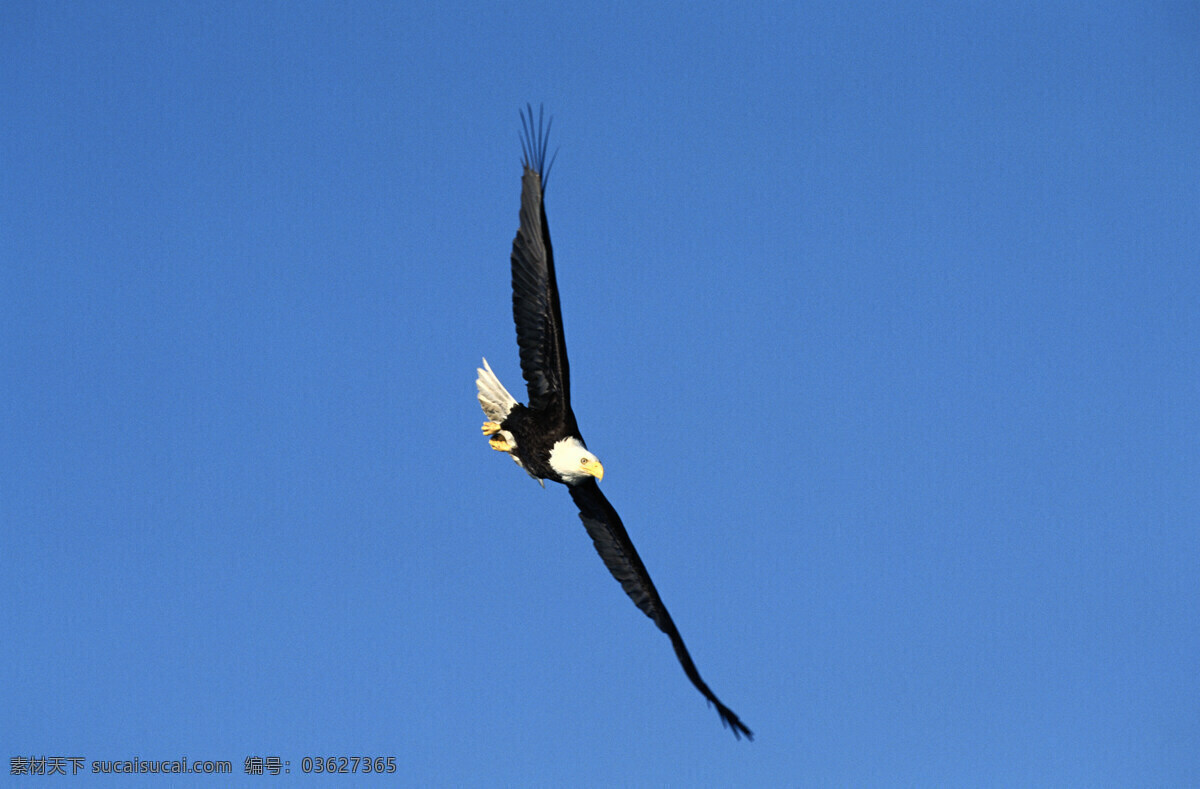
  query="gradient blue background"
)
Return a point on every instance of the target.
[{"x": 885, "y": 320}]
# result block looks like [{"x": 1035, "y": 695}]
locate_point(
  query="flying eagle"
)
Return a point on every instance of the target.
[{"x": 543, "y": 437}]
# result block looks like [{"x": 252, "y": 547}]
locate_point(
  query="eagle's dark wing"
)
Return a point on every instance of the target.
[
  {"x": 622, "y": 560},
  {"x": 535, "y": 291}
]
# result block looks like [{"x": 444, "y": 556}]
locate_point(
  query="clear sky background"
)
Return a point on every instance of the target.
[{"x": 884, "y": 319}]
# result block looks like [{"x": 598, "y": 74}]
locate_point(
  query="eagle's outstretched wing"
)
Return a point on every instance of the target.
[
  {"x": 535, "y": 291},
  {"x": 617, "y": 551}
]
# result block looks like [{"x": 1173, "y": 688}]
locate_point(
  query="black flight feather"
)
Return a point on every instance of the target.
[
  {"x": 616, "y": 549},
  {"x": 536, "y": 310}
]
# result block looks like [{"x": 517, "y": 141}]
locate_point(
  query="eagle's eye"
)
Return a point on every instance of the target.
[{"x": 583, "y": 461}]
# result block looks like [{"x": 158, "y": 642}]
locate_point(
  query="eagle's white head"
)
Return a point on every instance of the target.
[{"x": 572, "y": 461}]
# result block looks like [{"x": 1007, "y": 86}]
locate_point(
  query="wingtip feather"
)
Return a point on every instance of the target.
[
  {"x": 731, "y": 721},
  {"x": 534, "y": 141}
]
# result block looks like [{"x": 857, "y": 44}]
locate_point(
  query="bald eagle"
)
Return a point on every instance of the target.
[{"x": 543, "y": 436}]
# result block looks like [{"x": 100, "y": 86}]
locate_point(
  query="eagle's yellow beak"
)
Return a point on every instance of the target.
[{"x": 595, "y": 469}]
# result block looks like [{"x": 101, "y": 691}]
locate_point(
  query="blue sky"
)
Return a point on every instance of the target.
[{"x": 884, "y": 319}]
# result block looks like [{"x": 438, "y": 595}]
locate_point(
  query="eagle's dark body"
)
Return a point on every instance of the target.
[{"x": 535, "y": 433}]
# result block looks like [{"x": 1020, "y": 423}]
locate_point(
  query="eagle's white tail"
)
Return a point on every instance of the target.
[{"x": 494, "y": 398}]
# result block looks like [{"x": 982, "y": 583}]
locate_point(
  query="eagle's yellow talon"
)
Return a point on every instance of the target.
[
  {"x": 491, "y": 428},
  {"x": 500, "y": 445}
]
